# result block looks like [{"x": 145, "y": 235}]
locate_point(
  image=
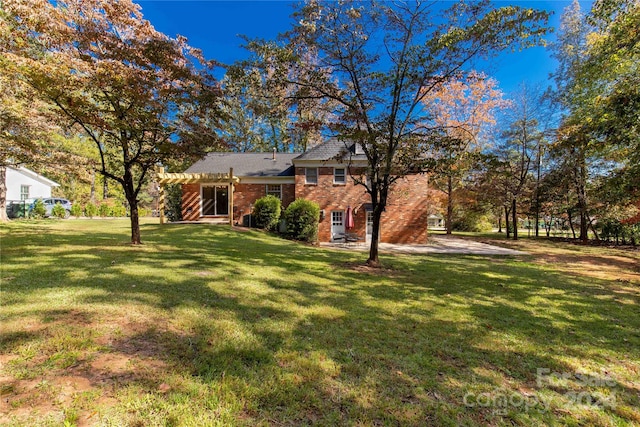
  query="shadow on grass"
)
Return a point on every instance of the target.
[{"x": 299, "y": 337}]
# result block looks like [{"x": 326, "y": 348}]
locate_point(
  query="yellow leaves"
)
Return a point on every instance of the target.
[
  {"x": 464, "y": 107},
  {"x": 593, "y": 39}
]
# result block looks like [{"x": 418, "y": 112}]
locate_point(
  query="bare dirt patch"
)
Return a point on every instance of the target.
[{"x": 112, "y": 352}]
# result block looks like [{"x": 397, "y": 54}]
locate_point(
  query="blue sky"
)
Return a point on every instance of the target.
[{"x": 214, "y": 27}]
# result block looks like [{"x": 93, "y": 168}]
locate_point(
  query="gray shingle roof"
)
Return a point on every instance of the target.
[
  {"x": 246, "y": 164},
  {"x": 262, "y": 164},
  {"x": 333, "y": 149}
]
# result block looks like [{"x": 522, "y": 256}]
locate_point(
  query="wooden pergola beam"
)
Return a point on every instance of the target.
[{"x": 192, "y": 178}]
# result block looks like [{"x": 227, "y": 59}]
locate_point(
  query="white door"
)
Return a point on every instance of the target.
[
  {"x": 337, "y": 225},
  {"x": 369, "y": 226}
]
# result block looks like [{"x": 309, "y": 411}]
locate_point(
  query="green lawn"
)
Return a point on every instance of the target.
[{"x": 204, "y": 325}]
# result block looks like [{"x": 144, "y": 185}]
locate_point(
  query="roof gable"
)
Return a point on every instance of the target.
[
  {"x": 33, "y": 175},
  {"x": 333, "y": 149}
]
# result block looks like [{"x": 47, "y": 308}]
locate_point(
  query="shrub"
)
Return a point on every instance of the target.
[
  {"x": 472, "y": 221},
  {"x": 58, "y": 211},
  {"x": 76, "y": 209},
  {"x": 90, "y": 210},
  {"x": 266, "y": 212},
  {"x": 302, "y": 217},
  {"x": 616, "y": 231},
  {"x": 104, "y": 209},
  {"x": 173, "y": 204},
  {"x": 143, "y": 212},
  {"x": 118, "y": 210},
  {"x": 38, "y": 210}
]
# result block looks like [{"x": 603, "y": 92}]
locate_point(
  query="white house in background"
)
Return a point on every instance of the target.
[{"x": 23, "y": 184}]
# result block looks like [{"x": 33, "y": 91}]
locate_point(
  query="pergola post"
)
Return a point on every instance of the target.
[{"x": 161, "y": 198}]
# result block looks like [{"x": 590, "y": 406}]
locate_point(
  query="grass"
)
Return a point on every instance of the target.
[{"x": 205, "y": 325}]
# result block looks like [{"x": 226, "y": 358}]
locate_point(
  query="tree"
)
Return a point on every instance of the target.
[
  {"x": 571, "y": 51},
  {"x": 263, "y": 114},
  {"x": 611, "y": 73},
  {"x": 138, "y": 95},
  {"x": 379, "y": 61},
  {"x": 598, "y": 87},
  {"x": 519, "y": 149},
  {"x": 25, "y": 124},
  {"x": 463, "y": 108}
]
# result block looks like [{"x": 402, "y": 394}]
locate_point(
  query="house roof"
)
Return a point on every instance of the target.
[
  {"x": 333, "y": 149},
  {"x": 263, "y": 164},
  {"x": 246, "y": 164},
  {"x": 31, "y": 174}
]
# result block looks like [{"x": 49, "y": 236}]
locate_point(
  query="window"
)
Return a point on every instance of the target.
[
  {"x": 24, "y": 192},
  {"x": 274, "y": 190},
  {"x": 339, "y": 176},
  {"x": 311, "y": 175}
]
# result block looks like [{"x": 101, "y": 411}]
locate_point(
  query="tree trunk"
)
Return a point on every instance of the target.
[
  {"x": 500, "y": 223},
  {"x": 92, "y": 194},
  {"x": 514, "y": 219},
  {"x": 537, "y": 217},
  {"x": 593, "y": 229},
  {"x": 580, "y": 183},
  {"x": 449, "y": 221},
  {"x": 3, "y": 194},
  {"x": 105, "y": 189},
  {"x": 135, "y": 223},
  {"x": 573, "y": 231},
  {"x": 539, "y": 165},
  {"x": 379, "y": 202},
  {"x": 374, "y": 260},
  {"x": 506, "y": 221},
  {"x": 132, "y": 198}
]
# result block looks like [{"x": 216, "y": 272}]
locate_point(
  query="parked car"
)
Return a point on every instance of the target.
[{"x": 51, "y": 202}]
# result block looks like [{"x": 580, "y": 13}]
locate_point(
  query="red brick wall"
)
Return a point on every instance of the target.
[
  {"x": 247, "y": 194},
  {"x": 243, "y": 196},
  {"x": 405, "y": 218},
  {"x": 190, "y": 202}
]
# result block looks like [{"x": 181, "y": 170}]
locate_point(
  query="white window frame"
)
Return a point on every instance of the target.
[
  {"x": 343, "y": 176},
  {"x": 24, "y": 195},
  {"x": 271, "y": 191},
  {"x": 306, "y": 176}
]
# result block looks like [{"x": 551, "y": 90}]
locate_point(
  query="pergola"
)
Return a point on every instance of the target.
[{"x": 191, "y": 178}]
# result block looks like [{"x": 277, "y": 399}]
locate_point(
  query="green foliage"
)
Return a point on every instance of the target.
[
  {"x": 58, "y": 211},
  {"x": 613, "y": 230},
  {"x": 266, "y": 212},
  {"x": 76, "y": 210},
  {"x": 38, "y": 210},
  {"x": 142, "y": 212},
  {"x": 173, "y": 206},
  {"x": 119, "y": 211},
  {"x": 104, "y": 209},
  {"x": 90, "y": 210},
  {"x": 302, "y": 217},
  {"x": 473, "y": 221}
]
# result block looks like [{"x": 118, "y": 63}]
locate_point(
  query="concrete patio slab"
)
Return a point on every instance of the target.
[{"x": 438, "y": 244}]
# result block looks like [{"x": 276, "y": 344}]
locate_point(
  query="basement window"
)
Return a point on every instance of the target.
[{"x": 274, "y": 190}]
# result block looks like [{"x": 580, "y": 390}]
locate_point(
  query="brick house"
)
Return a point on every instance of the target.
[{"x": 323, "y": 174}]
